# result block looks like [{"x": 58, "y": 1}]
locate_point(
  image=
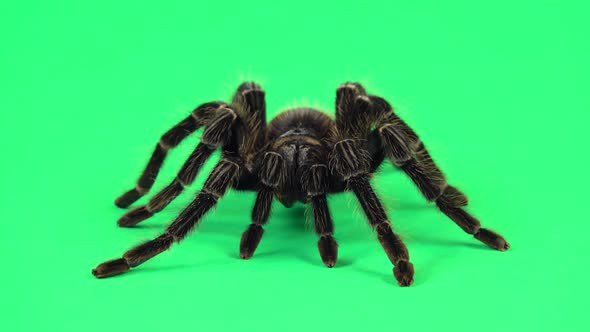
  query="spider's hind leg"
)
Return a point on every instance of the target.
[
  {"x": 168, "y": 141},
  {"x": 405, "y": 149},
  {"x": 215, "y": 135}
]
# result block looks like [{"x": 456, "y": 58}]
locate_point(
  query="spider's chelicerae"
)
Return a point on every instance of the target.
[{"x": 301, "y": 155}]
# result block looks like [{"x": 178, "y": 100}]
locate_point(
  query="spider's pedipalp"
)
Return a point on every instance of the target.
[
  {"x": 271, "y": 174},
  {"x": 316, "y": 183},
  {"x": 250, "y": 240},
  {"x": 324, "y": 227},
  {"x": 327, "y": 247}
]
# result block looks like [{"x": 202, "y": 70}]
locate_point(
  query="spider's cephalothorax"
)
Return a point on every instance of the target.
[{"x": 301, "y": 155}]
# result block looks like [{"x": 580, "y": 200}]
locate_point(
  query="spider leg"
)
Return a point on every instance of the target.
[
  {"x": 216, "y": 132},
  {"x": 352, "y": 163},
  {"x": 271, "y": 174},
  {"x": 406, "y": 151},
  {"x": 214, "y": 188},
  {"x": 350, "y": 159},
  {"x": 169, "y": 140},
  {"x": 394, "y": 247},
  {"x": 316, "y": 185},
  {"x": 251, "y": 97}
]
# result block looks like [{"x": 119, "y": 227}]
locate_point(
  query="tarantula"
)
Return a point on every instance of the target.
[{"x": 301, "y": 155}]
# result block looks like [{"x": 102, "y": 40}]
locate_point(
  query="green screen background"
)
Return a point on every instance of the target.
[{"x": 498, "y": 91}]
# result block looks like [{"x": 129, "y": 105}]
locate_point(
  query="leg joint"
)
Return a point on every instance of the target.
[
  {"x": 141, "y": 190},
  {"x": 204, "y": 112},
  {"x": 451, "y": 197},
  {"x": 221, "y": 177},
  {"x": 395, "y": 144},
  {"x": 147, "y": 250},
  {"x": 217, "y": 129},
  {"x": 349, "y": 159}
]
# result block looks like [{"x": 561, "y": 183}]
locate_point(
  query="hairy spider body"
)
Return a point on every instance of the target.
[
  {"x": 300, "y": 136},
  {"x": 301, "y": 155}
]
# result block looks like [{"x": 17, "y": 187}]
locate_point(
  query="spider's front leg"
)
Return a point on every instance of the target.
[
  {"x": 214, "y": 188},
  {"x": 350, "y": 159}
]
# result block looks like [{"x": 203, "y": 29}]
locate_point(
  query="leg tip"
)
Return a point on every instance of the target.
[
  {"x": 121, "y": 204},
  {"x": 404, "y": 273},
  {"x": 330, "y": 260},
  {"x": 250, "y": 240},
  {"x": 246, "y": 255},
  {"x": 328, "y": 248},
  {"x": 492, "y": 239},
  {"x": 505, "y": 247},
  {"x": 406, "y": 283},
  {"x": 134, "y": 217},
  {"x": 125, "y": 222},
  {"x": 329, "y": 264},
  {"x": 111, "y": 268}
]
